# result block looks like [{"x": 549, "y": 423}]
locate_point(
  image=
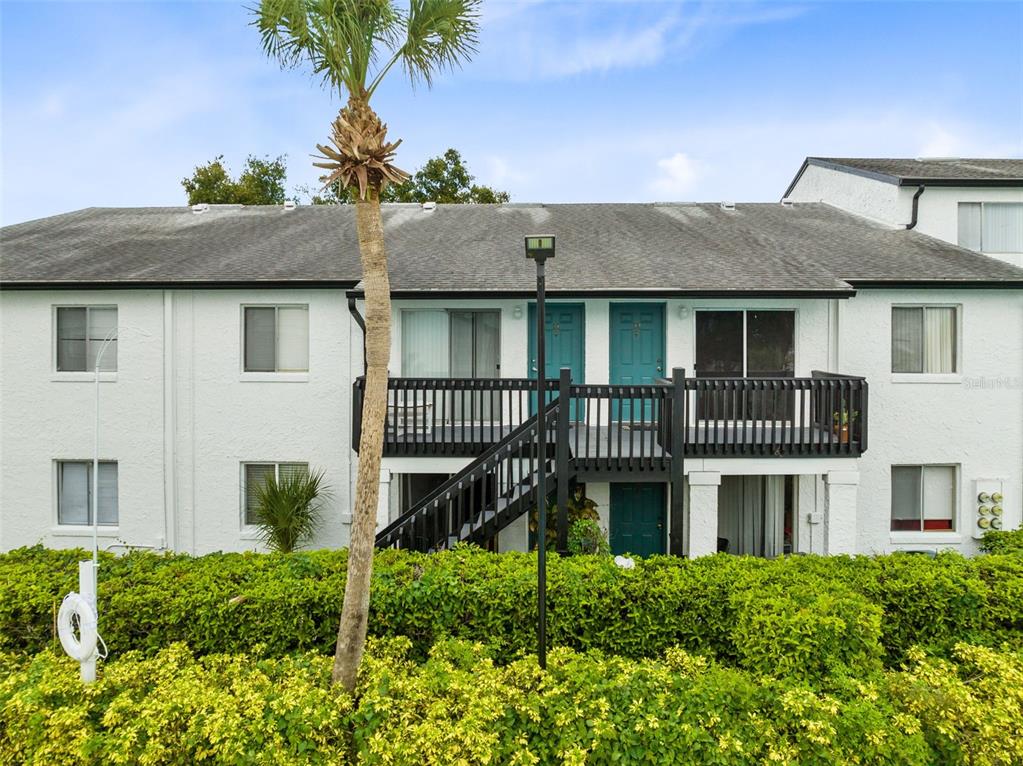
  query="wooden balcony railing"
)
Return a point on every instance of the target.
[{"x": 610, "y": 428}]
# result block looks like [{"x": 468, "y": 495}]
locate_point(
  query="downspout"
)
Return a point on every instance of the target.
[
  {"x": 916, "y": 207},
  {"x": 354, "y": 311}
]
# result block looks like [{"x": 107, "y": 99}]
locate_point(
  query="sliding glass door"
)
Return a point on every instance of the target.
[
  {"x": 441, "y": 343},
  {"x": 753, "y": 343}
]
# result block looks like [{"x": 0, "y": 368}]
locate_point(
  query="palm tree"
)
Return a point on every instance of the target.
[{"x": 352, "y": 45}]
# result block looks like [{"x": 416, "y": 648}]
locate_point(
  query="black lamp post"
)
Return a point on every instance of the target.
[{"x": 539, "y": 249}]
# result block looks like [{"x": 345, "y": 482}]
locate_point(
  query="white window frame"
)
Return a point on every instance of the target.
[
  {"x": 82, "y": 529},
  {"x": 80, "y": 375},
  {"x": 984, "y": 204},
  {"x": 277, "y": 376},
  {"x": 929, "y": 377},
  {"x": 251, "y": 530},
  {"x": 954, "y": 535}
]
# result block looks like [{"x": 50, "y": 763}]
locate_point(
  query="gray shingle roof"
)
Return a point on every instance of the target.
[
  {"x": 945, "y": 172},
  {"x": 765, "y": 247}
]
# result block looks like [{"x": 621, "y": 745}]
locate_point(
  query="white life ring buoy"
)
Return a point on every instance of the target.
[{"x": 84, "y": 647}]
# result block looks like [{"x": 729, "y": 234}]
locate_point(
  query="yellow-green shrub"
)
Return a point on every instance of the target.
[
  {"x": 172, "y": 708},
  {"x": 970, "y": 709},
  {"x": 461, "y": 707}
]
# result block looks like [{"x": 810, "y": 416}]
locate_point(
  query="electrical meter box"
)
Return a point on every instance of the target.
[{"x": 987, "y": 506}]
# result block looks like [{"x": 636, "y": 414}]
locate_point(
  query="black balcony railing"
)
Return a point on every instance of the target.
[{"x": 609, "y": 428}]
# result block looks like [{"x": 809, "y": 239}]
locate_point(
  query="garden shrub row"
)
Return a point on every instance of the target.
[
  {"x": 461, "y": 707},
  {"x": 1002, "y": 541},
  {"x": 802, "y": 617}
]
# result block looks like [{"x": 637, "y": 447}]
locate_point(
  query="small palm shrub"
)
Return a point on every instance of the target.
[{"x": 288, "y": 509}]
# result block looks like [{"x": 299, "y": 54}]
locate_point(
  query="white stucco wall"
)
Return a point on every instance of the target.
[
  {"x": 938, "y": 213},
  {"x": 938, "y": 206},
  {"x": 179, "y": 416},
  {"x": 867, "y": 197},
  {"x": 973, "y": 419}
]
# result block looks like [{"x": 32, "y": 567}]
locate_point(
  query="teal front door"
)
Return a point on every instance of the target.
[
  {"x": 637, "y": 351},
  {"x": 564, "y": 339},
  {"x": 637, "y": 519}
]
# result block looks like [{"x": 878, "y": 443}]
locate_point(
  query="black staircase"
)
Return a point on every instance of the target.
[{"x": 484, "y": 497}]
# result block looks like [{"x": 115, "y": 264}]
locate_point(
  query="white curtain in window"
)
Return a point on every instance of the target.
[
  {"x": 107, "y": 493},
  {"x": 907, "y": 339},
  {"x": 103, "y": 325},
  {"x": 906, "y": 498},
  {"x": 969, "y": 225},
  {"x": 73, "y": 503},
  {"x": 260, "y": 339},
  {"x": 939, "y": 491},
  {"x": 292, "y": 339},
  {"x": 1003, "y": 227},
  {"x": 751, "y": 514},
  {"x": 424, "y": 344},
  {"x": 940, "y": 339},
  {"x": 774, "y": 516}
]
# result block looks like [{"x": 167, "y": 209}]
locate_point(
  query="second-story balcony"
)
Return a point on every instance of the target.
[{"x": 611, "y": 428}]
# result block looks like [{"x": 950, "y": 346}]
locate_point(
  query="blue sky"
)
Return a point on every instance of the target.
[{"x": 113, "y": 103}]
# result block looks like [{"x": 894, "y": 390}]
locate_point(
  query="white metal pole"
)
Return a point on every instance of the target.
[
  {"x": 95, "y": 476},
  {"x": 87, "y": 589}
]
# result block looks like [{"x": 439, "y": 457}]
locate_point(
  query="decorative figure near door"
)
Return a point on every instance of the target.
[{"x": 636, "y": 329}]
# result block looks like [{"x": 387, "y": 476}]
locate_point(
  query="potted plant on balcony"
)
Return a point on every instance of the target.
[{"x": 841, "y": 420}]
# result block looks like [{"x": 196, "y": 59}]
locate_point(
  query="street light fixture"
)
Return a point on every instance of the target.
[{"x": 539, "y": 248}]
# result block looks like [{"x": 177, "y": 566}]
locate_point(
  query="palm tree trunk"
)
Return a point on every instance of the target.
[{"x": 351, "y": 633}]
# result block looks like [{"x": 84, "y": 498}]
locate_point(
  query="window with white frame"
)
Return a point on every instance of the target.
[
  {"x": 255, "y": 475},
  {"x": 925, "y": 339},
  {"x": 923, "y": 498},
  {"x": 276, "y": 338},
  {"x": 991, "y": 227},
  {"x": 82, "y": 333},
  {"x": 74, "y": 492}
]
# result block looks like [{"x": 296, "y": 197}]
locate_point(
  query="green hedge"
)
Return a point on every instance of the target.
[
  {"x": 461, "y": 707},
  {"x": 806, "y": 617},
  {"x": 1002, "y": 541}
]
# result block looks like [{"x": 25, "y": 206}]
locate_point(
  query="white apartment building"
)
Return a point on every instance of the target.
[{"x": 756, "y": 378}]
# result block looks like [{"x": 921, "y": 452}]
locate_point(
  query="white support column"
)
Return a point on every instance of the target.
[
  {"x": 703, "y": 513},
  {"x": 384, "y": 500},
  {"x": 840, "y": 491}
]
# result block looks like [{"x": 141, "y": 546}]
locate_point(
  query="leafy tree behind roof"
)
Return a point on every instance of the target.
[{"x": 261, "y": 183}]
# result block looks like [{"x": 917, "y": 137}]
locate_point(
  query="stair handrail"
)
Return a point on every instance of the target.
[{"x": 512, "y": 441}]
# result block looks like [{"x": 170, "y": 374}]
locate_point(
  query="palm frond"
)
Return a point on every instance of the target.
[
  {"x": 288, "y": 509},
  {"x": 340, "y": 39},
  {"x": 439, "y": 35}
]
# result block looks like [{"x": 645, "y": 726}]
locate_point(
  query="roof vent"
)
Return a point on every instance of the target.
[
  {"x": 202, "y": 207},
  {"x": 786, "y": 201},
  {"x": 429, "y": 205},
  {"x": 728, "y": 206},
  {"x": 290, "y": 204}
]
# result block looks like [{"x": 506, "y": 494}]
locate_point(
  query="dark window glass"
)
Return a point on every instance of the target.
[
  {"x": 770, "y": 344},
  {"x": 719, "y": 343}
]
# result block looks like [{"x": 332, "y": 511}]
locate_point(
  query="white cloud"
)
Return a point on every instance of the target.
[
  {"x": 556, "y": 40},
  {"x": 678, "y": 176}
]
